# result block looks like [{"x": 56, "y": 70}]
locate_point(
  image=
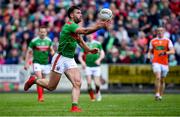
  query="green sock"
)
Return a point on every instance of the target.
[{"x": 74, "y": 104}]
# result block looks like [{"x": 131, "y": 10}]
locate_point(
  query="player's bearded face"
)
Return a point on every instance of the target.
[{"x": 77, "y": 16}]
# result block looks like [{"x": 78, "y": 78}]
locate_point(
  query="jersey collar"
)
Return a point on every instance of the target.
[{"x": 71, "y": 21}]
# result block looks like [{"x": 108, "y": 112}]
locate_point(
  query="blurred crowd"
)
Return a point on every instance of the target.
[{"x": 133, "y": 26}]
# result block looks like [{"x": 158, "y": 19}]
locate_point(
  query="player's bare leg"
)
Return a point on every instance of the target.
[
  {"x": 39, "y": 88},
  {"x": 98, "y": 92},
  {"x": 52, "y": 83},
  {"x": 90, "y": 90},
  {"x": 157, "y": 85},
  {"x": 49, "y": 85},
  {"x": 162, "y": 87},
  {"x": 74, "y": 76}
]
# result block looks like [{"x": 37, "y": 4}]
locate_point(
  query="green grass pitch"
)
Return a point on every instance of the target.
[{"x": 58, "y": 104}]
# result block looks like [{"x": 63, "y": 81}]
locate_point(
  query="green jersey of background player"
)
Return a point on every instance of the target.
[
  {"x": 39, "y": 48},
  {"x": 91, "y": 65},
  {"x": 63, "y": 61},
  {"x": 92, "y": 58}
]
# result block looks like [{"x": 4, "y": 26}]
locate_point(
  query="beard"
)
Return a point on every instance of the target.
[{"x": 77, "y": 20}]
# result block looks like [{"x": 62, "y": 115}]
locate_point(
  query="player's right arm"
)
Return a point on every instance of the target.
[{"x": 94, "y": 28}]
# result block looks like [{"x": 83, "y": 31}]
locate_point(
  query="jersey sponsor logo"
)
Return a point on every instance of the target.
[
  {"x": 160, "y": 48},
  {"x": 42, "y": 48},
  {"x": 43, "y": 43}
]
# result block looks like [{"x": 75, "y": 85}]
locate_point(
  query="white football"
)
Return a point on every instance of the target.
[{"x": 105, "y": 14}]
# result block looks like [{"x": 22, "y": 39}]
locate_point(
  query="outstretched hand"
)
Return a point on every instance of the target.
[{"x": 104, "y": 24}]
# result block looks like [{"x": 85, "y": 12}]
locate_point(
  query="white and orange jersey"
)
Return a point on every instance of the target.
[{"x": 159, "y": 45}]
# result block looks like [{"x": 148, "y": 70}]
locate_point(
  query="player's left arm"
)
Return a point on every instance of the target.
[
  {"x": 170, "y": 51},
  {"x": 102, "y": 55},
  {"x": 171, "y": 48},
  {"x": 51, "y": 50}
]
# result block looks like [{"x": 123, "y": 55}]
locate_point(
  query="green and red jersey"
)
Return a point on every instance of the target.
[
  {"x": 40, "y": 49},
  {"x": 67, "y": 41},
  {"x": 91, "y": 58}
]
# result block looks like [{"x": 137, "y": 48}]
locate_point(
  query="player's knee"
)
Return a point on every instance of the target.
[
  {"x": 77, "y": 84},
  {"x": 158, "y": 78}
]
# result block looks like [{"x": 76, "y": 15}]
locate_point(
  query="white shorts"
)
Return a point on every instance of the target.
[
  {"x": 93, "y": 71},
  {"x": 45, "y": 69},
  {"x": 163, "y": 69},
  {"x": 61, "y": 63}
]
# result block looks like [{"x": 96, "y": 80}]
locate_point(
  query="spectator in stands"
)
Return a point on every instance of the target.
[
  {"x": 13, "y": 57},
  {"x": 122, "y": 34},
  {"x": 124, "y": 57},
  {"x": 113, "y": 55},
  {"x": 138, "y": 58},
  {"x": 2, "y": 52},
  {"x": 111, "y": 41},
  {"x": 177, "y": 49},
  {"x": 154, "y": 16},
  {"x": 166, "y": 10}
]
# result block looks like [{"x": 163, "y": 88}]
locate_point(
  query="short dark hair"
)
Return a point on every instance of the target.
[
  {"x": 71, "y": 9},
  {"x": 42, "y": 26}
]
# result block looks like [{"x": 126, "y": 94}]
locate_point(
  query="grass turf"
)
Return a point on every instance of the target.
[{"x": 25, "y": 104}]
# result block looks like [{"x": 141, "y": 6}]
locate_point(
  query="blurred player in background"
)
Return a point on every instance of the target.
[
  {"x": 40, "y": 47},
  {"x": 63, "y": 61},
  {"x": 160, "y": 47},
  {"x": 91, "y": 65}
]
